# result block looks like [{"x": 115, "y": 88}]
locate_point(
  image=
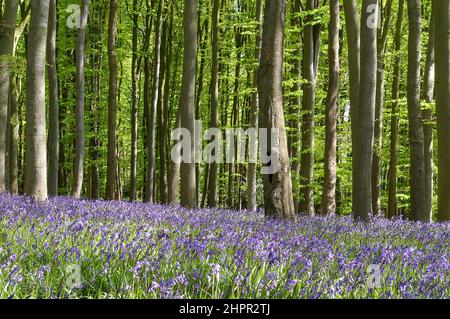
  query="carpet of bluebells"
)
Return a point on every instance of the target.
[{"x": 124, "y": 250}]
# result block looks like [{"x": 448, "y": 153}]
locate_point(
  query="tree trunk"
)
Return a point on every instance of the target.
[
  {"x": 277, "y": 184},
  {"x": 379, "y": 107},
  {"x": 352, "y": 24},
  {"x": 112, "y": 103},
  {"x": 134, "y": 102},
  {"x": 442, "y": 33},
  {"x": 79, "y": 108},
  {"x": 214, "y": 91},
  {"x": 36, "y": 148},
  {"x": 296, "y": 103},
  {"x": 329, "y": 187},
  {"x": 187, "y": 101},
  {"x": 428, "y": 96},
  {"x": 165, "y": 96},
  {"x": 252, "y": 205},
  {"x": 416, "y": 136},
  {"x": 392, "y": 184},
  {"x": 7, "y": 30},
  {"x": 308, "y": 109},
  {"x": 151, "y": 119},
  {"x": 364, "y": 116},
  {"x": 53, "y": 126}
]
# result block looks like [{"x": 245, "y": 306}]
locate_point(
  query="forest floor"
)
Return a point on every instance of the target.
[{"x": 72, "y": 249}]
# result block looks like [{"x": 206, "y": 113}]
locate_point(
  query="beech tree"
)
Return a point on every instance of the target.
[
  {"x": 278, "y": 200},
  {"x": 416, "y": 135},
  {"x": 36, "y": 151},
  {"x": 7, "y": 33},
  {"x": 53, "y": 109},
  {"x": 79, "y": 108},
  {"x": 329, "y": 186},
  {"x": 111, "y": 192},
  {"x": 392, "y": 179},
  {"x": 187, "y": 101},
  {"x": 364, "y": 115},
  {"x": 442, "y": 34}
]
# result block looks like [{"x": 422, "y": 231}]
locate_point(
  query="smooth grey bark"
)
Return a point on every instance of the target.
[
  {"x": 79, "y": 107},
  {"x": 53, "y": 109},
  {"x": 252, "y": 205},
  {"x": 428, "y": 118},
  {"x": 214, "y": 92},
  {"x": 35, "y": 140},
  {"x": 309, "y": 71},
  {"x": 14, "y": 111},
  {"x": 416, "y": 135},
  {"x": 147, "y": 86},
  {"x": 379, "y": 107},
  {"x": 331, "y": 114},
  {"x": 151, "y": 119},
  {"x": 134, "y": 101},
  {"x": 111, "y": 169},
  {"x": 7, "y": 32},
  {"x": 353, "y": 30},
  {"x": 96, "y": 63},
  {"x": 442, "y": 42},
  {"x": 203, "y": 42},
  {"x": 278, "y": 200},
  {"x": 364, "y": 117},
  {"x": 392, "y": 183},
  {"x": 164, "y": 95},
  {"x": 187, "y": 101},
  {"x": 296, "y": 102}
]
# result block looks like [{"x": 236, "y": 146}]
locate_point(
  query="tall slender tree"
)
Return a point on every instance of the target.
[
  {"x": 53, "y": 110},
  {"x": 7, "y": 32},
  {"x": 79, "y": 107},
  {"x": 135, "y": 101},
  {"x": 151, "y": 119},
  {"x": 277, "y": 185},
  {"x": 331, "y": 113},
  {"x": 36, "y": 150},
  {"x": 309, "y": 70},
  {"x": 416, "y": 135},
  {"x": 379, "y": 107},
  {"x": 214, "y": 92},
  {"x": 187, "y": 101},
  {"x": 364, "y": 114},
  {"x": 112, "y": 103},
  {"x": 428, "y": 124},
  {"x": 442, "y": 34},
  {"x": 254, "y": 109},
  {"x": 392, "y": 183},
  {"x": 353, "y": 30}
]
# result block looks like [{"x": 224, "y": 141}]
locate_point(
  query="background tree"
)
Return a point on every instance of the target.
[
  {"x": 416, "y": 136},
  {"x": 53, "y": 109},
  {"x": 278, "y": 200},
  {"x": 392, "y": 183},
  {"x": 442, "y": 104},
  {"x": 79, "y": 108},
  {"x": 329, "y": 186},
  {"x": 112, "y": 103},
  {"x": 187, "y": 101},
  {"x": 36, "y": 150},
  {"x": 364, "y": 115},
  {"x": 7, "y": 32}
]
